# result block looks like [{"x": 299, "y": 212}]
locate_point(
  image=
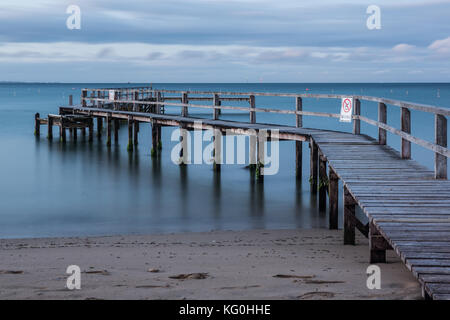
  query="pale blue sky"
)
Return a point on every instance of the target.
[{"x": 225, "y": 41}]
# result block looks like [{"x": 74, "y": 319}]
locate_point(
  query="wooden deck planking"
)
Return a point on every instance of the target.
[{"x": 401, "y": 197}]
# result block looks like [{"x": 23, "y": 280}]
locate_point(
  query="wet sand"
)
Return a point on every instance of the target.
[{"x": 258, "y": 264}]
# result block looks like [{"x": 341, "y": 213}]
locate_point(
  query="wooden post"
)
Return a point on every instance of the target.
[
  {"x": 382, "y": 117},
  {"x": 154, "y": 151},
  {"x": 313, "y": 165},
  {"x": 349, "y": 217},
  {"x": 333, "y": 199},
  {"x": 252, "y": 108},
  {"x": 158, "y": 127},
  {"x": 357, "y": 122},
  {"x": 130, "y": 134},
  {"x": 116, "y": 98},
  {"x": 100, "y": 104},
  {"x": 50, "y": 127},
  {"x": 83, "y": 97},
  {"x": 136, "y": 132},
  {"x": 217, "y": 149},
  {"x": 116, "y": 130},
  {"x": 184, "y": 152},
  {"x": 216, "y": 102},
  {"x": 108, "y": 131},
  {"x": 75, "y": 134},
  {"x": 136, "y": 98},
  {"x": 70, "y": 100},
  {"x": 378, "y": 245},
  {"x": 406, "y": 127},
  {"x": 62, "y": 131},
  {"x": 37, "y": 125},
  {"x": 323, "y": 181},
  {"x": 91, "y": 129},
  {"x": 440, "y": 161},
  {"x": 260, "y": 144},
  {"x": 252, "y": 151},
  {"x": 184, "y": 100},
  {"x": 298, "y": 144},
  {"x": 99, "y": 127}
]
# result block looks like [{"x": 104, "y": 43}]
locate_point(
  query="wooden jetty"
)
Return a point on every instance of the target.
[{"x": 407, "y": 206}]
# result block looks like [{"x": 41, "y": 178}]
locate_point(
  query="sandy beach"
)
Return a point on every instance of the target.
[{"x": 258, "y": 264}]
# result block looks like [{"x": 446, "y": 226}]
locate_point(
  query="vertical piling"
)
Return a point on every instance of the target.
[
  {"x": 130, "y": 134},
  {"x": 406, "y": 127},
  {"x": 99, "y": 127},
  {"x": 349, "y": 217},
  {"x": 91, "y": 129},
  {"x": 50, "y": 128},
  {"x": 252, "y": 109},
  {"x": 217, "y": 149},
  {"x": 116, "y": 130},
  {"x": 333, "y": 199},
  {"x": 108, "y": 131},
  {"x": 357, "y": 112},
  {"x": 323, "y": 181},
  {"x": 377, "y": 244},
  {"x": 298, "y": 144},
  {"x": 62, "y": 132},
  {"x": 136, "y": 132},
  {"x": 313, "y": 165},
  {"x": 154, "y": 151},
  {"x": 260, "y": 144},
  {"x": 382, "y": 117},
  {"x": 184, "y": 100},
  {"x": 216, "y": 102},
  {"x": 37, "y": 125},
  {"x": 440, "y": 161}
]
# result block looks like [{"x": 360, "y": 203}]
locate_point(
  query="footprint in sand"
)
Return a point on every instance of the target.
[
  {"x": 190, "y": 276},
  {"x": 317, "y": 295},
  {"x": 102, "y": 272},
  {"x": 288, "y": 276},
  {"x": 11, "y": 272}
]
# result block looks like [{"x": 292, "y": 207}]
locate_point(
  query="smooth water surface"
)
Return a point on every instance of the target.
[{"x": 76, "y": 189}]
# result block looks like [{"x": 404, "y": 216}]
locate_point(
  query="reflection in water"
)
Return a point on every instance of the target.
[{"x": 85, "y": 188}]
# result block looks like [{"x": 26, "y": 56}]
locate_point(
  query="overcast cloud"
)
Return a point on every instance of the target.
[{"x": 224, "y": 41}]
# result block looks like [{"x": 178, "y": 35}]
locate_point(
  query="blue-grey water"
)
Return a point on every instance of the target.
[{"x": 76, "y": 189}]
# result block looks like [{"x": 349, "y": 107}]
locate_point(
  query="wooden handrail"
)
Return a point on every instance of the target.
[{"x": 439, "y": 147}]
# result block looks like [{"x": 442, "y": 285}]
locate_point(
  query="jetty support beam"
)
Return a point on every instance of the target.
[
  {"x": 349, "y": 217},
  {"x": 378, "y": 245},
  {"x": 298, "y": 144},
  {"x": 108, "y": 131},
  {"x": 333, "y": 199},
  {"x": 313, "y": 165},
  {"x": 130, "y": 134},
  {"x": 323, "y": 181},
  {"x": 37, "y": 125}
]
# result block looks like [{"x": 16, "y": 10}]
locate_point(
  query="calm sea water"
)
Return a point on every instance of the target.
[{"x": 78, "y": 189}]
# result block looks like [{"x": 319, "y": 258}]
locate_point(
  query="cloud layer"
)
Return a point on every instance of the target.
[{"x": 290, "y": 40}]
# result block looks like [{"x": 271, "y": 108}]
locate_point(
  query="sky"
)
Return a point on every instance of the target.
[{"x": 225, "y": 41}]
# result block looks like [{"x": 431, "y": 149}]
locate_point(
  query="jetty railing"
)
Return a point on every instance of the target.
[{"x": 134, "y": 98}]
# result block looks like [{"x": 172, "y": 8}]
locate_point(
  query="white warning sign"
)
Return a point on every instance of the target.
[
  {"x": 112, "y": 94},
  {"x": 346, "y": 109}
]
